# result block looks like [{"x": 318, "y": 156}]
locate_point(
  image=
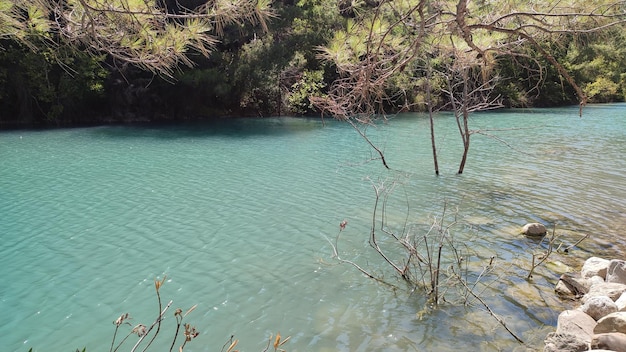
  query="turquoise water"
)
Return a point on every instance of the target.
[{"x": 236, "y": 214}]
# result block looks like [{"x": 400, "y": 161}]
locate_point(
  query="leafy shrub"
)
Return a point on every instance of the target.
[
  {"x": 310, "y": 84},
  {"x": 602, "y": 90}
]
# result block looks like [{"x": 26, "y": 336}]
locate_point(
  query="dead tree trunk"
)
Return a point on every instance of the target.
[
  {"x": 464, "y": 126},
  {"x": 432, "y": 122},
  {"x": 465, "y": 134}
]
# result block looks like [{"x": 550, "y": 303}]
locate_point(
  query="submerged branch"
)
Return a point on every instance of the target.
[{"x": 491, "y": 312}]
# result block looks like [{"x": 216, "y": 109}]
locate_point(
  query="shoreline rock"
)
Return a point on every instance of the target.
[{"x": 599, "y": 323}]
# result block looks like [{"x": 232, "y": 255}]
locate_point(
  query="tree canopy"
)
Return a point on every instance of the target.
[
  {"x": 154, "y": 35},
  {"x": 168, "y": 59},
  {"x": 377, "y": 46}
]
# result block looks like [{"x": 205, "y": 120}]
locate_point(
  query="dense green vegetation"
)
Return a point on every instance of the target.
[{"x": 72, "y": 62}]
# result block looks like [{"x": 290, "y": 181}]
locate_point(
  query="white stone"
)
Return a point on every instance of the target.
[
  {"x": 616, "y": 272},
  {"x": 614, "y": 322},
  {"x": 595, "y": 280},
  {"x": 534, "y": 229},
  {"x": 609, "y": 289},
  {"x": 577, "y": 323},
  {"x": 612, "y": 342},
  {"x": 564, "y": 343},
  {"x": 621, "y": 302},
  {"x": 594, "y": 266},
  {"x": 599, "y": 306}
]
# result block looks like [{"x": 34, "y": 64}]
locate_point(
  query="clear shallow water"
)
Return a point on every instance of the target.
[{"x": 236, "y": 214}]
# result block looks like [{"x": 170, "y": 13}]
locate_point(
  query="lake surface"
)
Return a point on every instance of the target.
[{"x": 236, "y": 214}]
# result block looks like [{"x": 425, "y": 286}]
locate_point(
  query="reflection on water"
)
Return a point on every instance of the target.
[{"x": 236, "y": 214}]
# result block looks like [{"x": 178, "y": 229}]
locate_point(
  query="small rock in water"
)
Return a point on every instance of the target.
[
  {"x": 572, "y": 285},
  {"x": 534, "y": 229}
]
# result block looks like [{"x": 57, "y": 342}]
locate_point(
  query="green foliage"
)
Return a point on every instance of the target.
[
  {"x": 265, "y": 74},
  {"x": 516, "y": 95},
  {"x": 603, "y": 90},
  {"x": 266, "y": 59},
  {"x": 598, "y": 61},
  {"x": 257, "y": 75},
  {"x": 49, "y": 86},
  {"x": 521, "y": 45},
  {"x": 37, "y": 22},
  {"x": 622, "y": 84},
  {"x": 310, "y": 84},
  {"x": 151, "y": 35},
  {"x": 268, "y": 69}
]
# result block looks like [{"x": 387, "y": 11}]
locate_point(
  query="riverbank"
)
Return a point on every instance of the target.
[{"x": 599, "y": 323}]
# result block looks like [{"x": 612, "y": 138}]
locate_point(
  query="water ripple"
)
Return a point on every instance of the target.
[{"x": 236, "y": 214}]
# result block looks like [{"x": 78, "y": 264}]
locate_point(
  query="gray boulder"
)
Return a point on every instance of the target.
[
  {"x": 577, "y": 323},
  {"x": 571, "y": 285},
  {"x": 614, "y": 322},
  {"x": 616, "y": 272},
  {"x": 534, "y": 229},
  {"x": 609, "y": 289},
  {"x": 594, "y": 266},
  {"x": 613, "y": 342},
  {"x": 621, "y": 302},
  {"x": 556, "y": 342},
  {"x": 595, "y": 280},
  {"x": 599, "y": 306}
]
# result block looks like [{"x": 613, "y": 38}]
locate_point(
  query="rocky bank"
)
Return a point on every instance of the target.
[{"x": 599, "y": 323}]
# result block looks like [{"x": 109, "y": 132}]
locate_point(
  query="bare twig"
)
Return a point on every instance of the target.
[
  {"x": 157, "y": 321},
  {"x": 118, "y": 322},
  {"x": 157, "y": 286},
  {"x": 566, "y": 249},
  {"x": 231, "y": 343},
  {"x": 543, "y": 256},
  {"x": 493, "y": 314}
]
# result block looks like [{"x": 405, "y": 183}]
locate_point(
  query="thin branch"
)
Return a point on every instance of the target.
[
  {"x": 491, "y": 312},
  {"x": 566, "y": 249},
  {"x": 358, "y": 267},
  {"x": 542, "y": 257},
  {"x": 157, "y": 321}
]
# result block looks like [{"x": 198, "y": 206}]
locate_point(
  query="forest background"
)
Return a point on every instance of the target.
[{"x": 79, "y": 62}]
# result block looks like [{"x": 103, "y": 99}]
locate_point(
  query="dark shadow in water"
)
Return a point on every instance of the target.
[{"x": 231, "y": 128}]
